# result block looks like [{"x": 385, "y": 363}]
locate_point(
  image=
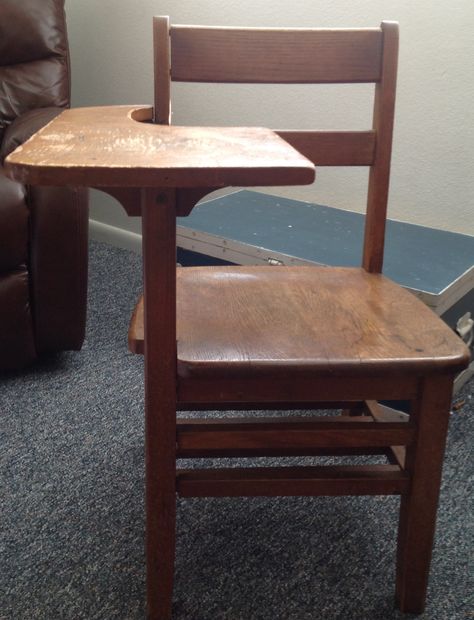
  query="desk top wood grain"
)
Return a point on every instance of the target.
[{"x": 116, "y": 147}]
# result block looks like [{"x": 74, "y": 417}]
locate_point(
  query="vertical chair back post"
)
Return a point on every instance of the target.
[
  {"x": 379, "y": 176},
  {"x": 162, "y": 71}
]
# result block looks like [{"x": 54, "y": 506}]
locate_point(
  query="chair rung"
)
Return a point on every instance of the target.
[
  {"x": 292, "y": 481},
  {"x": 287, "y": 435},
  {"x": 201, "y": 453},
  {"x": 273, "y": 406}
]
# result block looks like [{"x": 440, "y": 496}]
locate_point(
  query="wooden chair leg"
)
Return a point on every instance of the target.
[
  {"x": 160, "y": 552},
  {"x": 418, "y": 507},
  {"x": 159, "y": 252}
]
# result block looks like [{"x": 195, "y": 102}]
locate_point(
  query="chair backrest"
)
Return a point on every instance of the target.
[{"x": 298, "y": 56}]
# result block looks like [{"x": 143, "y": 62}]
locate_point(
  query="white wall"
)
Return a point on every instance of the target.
[{"x": 433, "y": 161}]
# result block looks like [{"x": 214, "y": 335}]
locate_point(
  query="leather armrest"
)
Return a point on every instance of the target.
[
  {"x": 24, "y": 127},
  {"x": 57, "y": 247}
]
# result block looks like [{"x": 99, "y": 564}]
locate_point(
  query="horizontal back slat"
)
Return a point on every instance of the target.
[
  {"x": 334, "y": 148},
  {"x": 277, "y": 56}
]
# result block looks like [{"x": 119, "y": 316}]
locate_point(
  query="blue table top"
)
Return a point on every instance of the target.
[{"x": 421, "y": 258}]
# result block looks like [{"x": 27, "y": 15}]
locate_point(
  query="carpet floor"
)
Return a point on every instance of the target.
[{"x": 72, "y": 483}]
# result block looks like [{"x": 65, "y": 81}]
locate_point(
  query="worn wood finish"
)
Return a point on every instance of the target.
[
  {"x": 333, "y": 148},
  {"x": 114, "y": 147},
  {"x": 379, "y": 175},
  {"x": 159, "y": 257},
  {"x": 292, "y": 481},
  {"x": 424, "y": 461},
  {"x": 272, "y": 55}
]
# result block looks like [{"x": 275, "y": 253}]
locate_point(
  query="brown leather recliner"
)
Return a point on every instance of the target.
[{"x": 43, "y": 231}]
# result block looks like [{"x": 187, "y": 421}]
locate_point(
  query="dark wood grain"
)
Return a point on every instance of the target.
[
  {"x": 266, "y": 392},
  {"x": 292, "y": 481},
  {"x": 278, "y": 406},
  {"x": 246, "y": 452},
  {"x": 379, "y": 175},
  {"x": 424, "y": 461},
  {"x": 333, "y": 148},
  {"x": 161, "y": 71},
  {"x": 159, "y": 257},
  {"x": 272, "y": 55},
  {"x": 296, "y": 320},
  {"x": 287, "y": 433}
]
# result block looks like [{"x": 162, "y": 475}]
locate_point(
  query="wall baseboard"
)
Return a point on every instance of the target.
[{"x": 118, "y": 237}]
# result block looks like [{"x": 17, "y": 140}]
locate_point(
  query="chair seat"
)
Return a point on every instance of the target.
[{"x": 236, "y": 321}]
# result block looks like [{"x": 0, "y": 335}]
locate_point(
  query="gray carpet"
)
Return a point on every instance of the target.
[{"x": 72, "y": 505}]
